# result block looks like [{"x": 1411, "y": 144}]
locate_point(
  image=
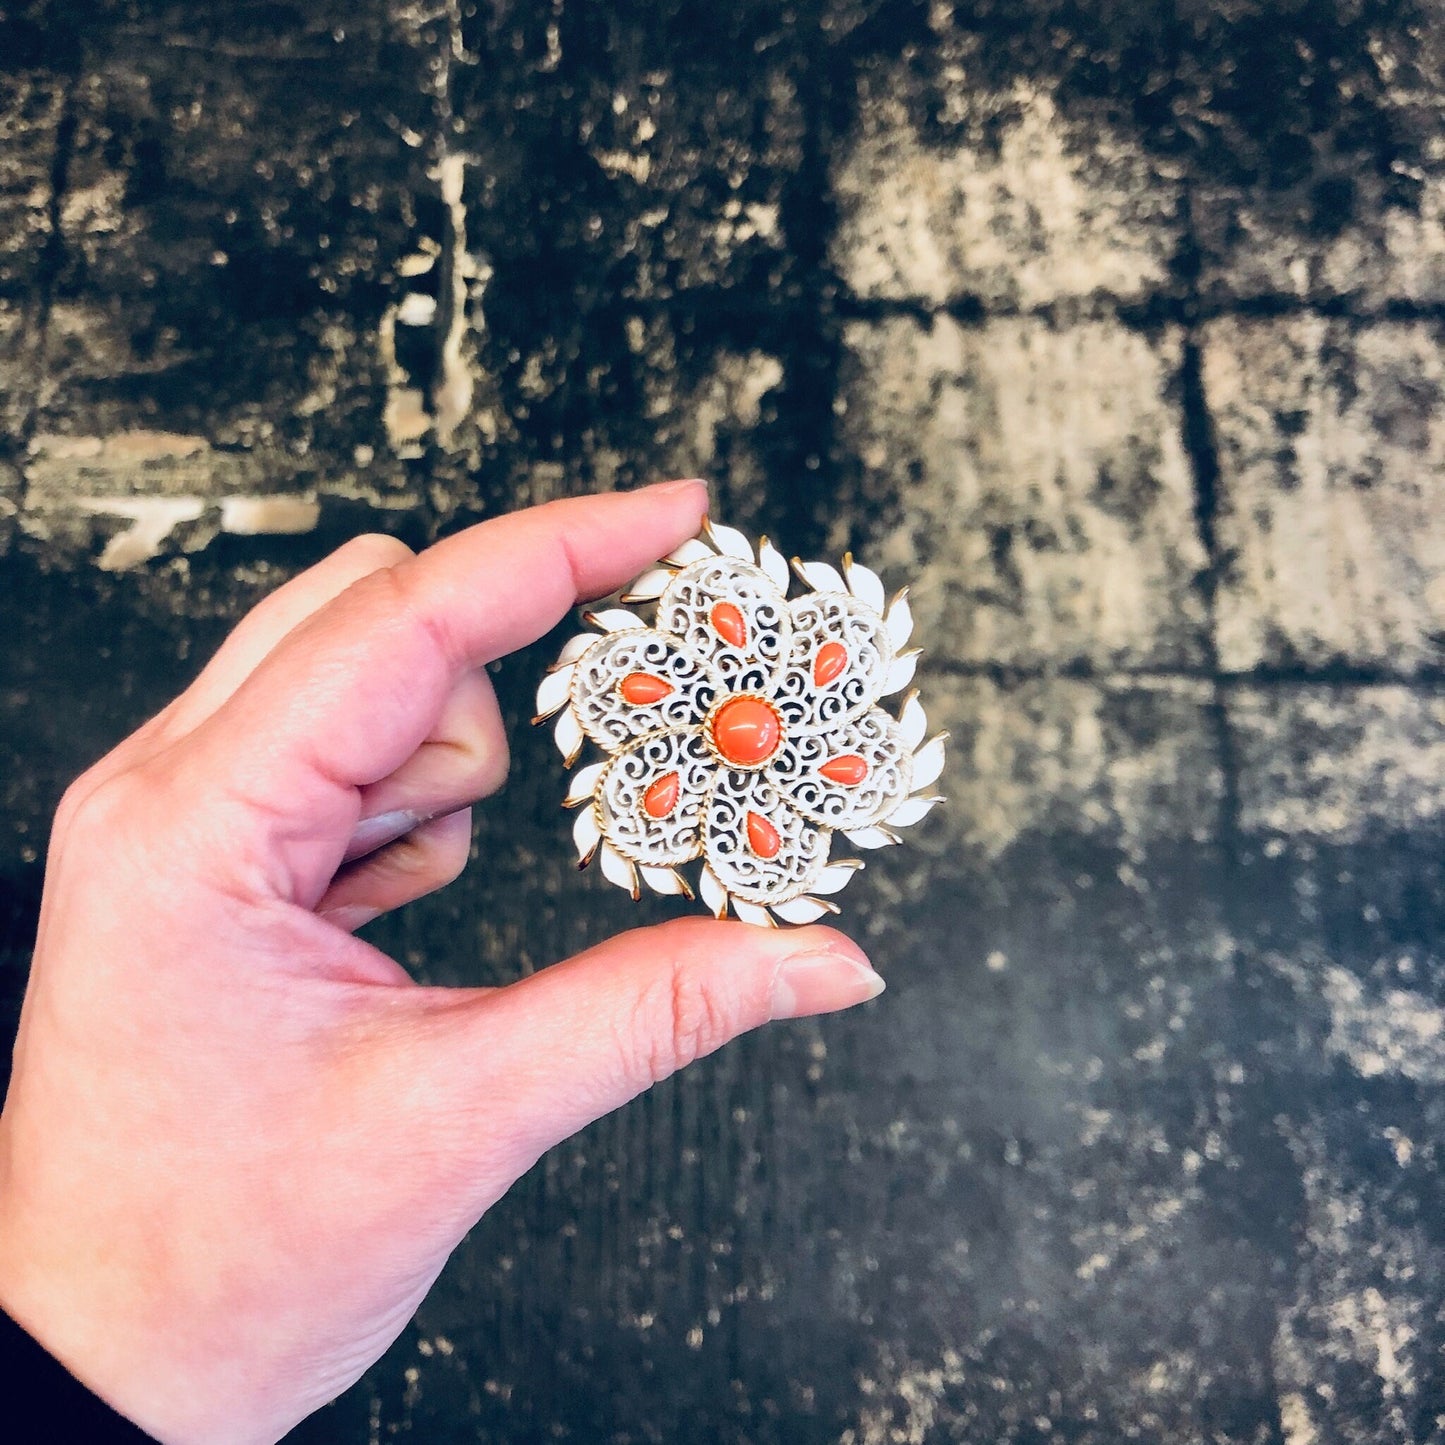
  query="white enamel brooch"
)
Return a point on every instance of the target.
[{"x": 742, "y": 727}]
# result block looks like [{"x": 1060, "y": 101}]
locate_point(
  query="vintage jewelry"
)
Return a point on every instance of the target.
[{"x": 742, "y": 728}]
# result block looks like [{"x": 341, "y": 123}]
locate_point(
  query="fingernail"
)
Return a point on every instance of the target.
[
  {"x": 667, "y": 489},
  {"x": 820, "y": 983},
  {"x": 373, "y": 833}
]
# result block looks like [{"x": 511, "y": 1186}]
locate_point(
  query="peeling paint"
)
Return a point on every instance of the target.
[
  {"x": 1048, "y": 512},
  {"x": 455, "y": 388},
  {"x": 269, "y": 516},
  {"x": 1331, "y": 763},
  {"x": 1057, "y": 211},
  {"x": 152, "y": 519},
  {"x": 1384, "y": 1032},
  {"x": 131, "y": 446}
]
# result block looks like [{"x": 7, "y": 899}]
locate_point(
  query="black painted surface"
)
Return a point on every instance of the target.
[{"x": 1142, "y": 1142}]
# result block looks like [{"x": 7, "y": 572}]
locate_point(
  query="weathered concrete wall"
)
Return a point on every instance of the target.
[{"x": 1117, "y": 330}]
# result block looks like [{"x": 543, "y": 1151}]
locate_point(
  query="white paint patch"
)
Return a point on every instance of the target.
[
  {"x": 137, "y": 446},
  {"x": 1331, "y": 446},
  {"x": 1053, "y": 512},
  {"x": 152, "y": 519},
  {"x": 410, "y": 414},
  {"x": 1375, "y": 1325},
  {"x": 1328, "y": 763},
  {"x": 1058, "y": 754},
  {"x": 269, "y": 516},
  {"x": 903, "y": 1408},
  {"x": 453, "y": 397},
  {"x": 1059, "y": 209},
  {"x": 1294, "y": 1419},
  {"x": 728, "y": 402},
  {"x": 1390, "y": 1032}
]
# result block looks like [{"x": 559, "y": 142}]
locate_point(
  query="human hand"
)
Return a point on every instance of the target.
[{"x": 239, "y": 1142}]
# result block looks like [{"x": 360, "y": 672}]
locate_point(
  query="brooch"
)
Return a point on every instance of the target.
[{"x": 742, "y": 727}]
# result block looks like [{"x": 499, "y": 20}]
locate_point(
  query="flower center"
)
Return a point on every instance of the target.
[{"x": 746, "y": 731}]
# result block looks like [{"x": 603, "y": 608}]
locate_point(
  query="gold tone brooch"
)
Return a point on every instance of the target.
[{"x": 743, "y": 728}]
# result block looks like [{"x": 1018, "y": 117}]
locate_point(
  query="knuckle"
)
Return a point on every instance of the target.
[
  {"x": 375, "y": 550},
  {"x": 93, "y": 804},
  {"x": 682, "y": 1018}
]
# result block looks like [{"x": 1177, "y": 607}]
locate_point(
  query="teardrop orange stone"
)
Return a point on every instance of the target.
[
  {"x": 847, "y": 768},
  {"x": 762, "y": 836},
  {"x": 728, "y": 623},
  {"x": 661, "y": 798},
  {"x": 641, "y": 688},
  {"x": 831, "y": 659}
]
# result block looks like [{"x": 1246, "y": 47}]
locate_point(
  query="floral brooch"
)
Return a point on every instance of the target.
[{"x": 742, "y": 727}]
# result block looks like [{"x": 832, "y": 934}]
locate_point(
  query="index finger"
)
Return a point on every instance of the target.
[{"x": 349, "y": 695}]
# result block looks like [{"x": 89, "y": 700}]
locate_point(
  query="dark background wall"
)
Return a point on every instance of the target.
[{"x": 1115, "y": 328}]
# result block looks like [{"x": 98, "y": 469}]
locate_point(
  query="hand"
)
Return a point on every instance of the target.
[{"x": 239, "y": 1142}]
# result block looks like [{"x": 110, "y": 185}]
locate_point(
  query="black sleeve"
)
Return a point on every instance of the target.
[{"x": 44, "y": 1404}]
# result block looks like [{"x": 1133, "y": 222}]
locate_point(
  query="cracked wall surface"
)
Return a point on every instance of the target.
[{"x": 1116, "y": 330}]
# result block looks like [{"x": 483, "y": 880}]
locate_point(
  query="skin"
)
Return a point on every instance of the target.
[{"x": 240, "y": 1142}]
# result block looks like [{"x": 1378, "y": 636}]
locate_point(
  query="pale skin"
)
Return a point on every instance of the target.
[{"x": 240, "y": 1142}]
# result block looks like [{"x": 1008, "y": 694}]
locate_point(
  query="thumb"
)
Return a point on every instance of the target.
[{"x": 521, "y": 1068}]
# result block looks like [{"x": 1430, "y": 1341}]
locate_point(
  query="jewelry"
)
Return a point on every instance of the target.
[{"x": 742, "y": 728}]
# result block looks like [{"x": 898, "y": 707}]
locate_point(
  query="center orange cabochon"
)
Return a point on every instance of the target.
[{"x": 747, "y": 731}]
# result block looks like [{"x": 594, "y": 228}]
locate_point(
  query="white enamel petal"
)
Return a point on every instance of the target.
[
  {"x": 928, "y": 762},
  {"x": 775, "y": 565},
  {"x": 574, "y": 649},
  {"x": 552, "y": 693},
  {"x": 900, "y": 674},
  {"x": 899, "y": 621},
  {"x": 753, "y": 913},
  {"x": 616, "y": 869},
  {"x": 801, "y": 846},
  {"x": 605, "y": 714},
  {"x": 649, "y": 587},
  {"x": 804, "y": 909},
  {"x": 615, "y": 619},
  {"x": 864, "y": 584},
  {"x": 713, "y": 893},
  {"x": 912, "y": 722},
  {"x": 820, "y": 576},
  {"x": 871, "y": 838},
  {"x": 693, "y": 550},
  {"x": 569, "y": 735},
  {"x": 583, "y": 784},
  {"x": 819, "y": 618},
  {"x": 622, "y": 797},
  {"x": 910, "y": 811},
  {"x": 666, "y": 881},
  {"x": 874, "y": 738},
  {"x": 837, "y": 876},
  {"x": 730, "y": 541},
  {"x": 748, "y": 661},
  {"x": 586, "y": 834}
]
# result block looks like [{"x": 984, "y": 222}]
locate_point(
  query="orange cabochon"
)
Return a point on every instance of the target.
[
  {"x": 848, "y": 769},
  {"x": 661, "y": 797},
  {"x": 747, "y": 731},
  {"x": 831, "y": 659},
  {"x": 641, "y": 688},
  {"x": 763, "y": 838},
  {"x": 728, "y": 623}
]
